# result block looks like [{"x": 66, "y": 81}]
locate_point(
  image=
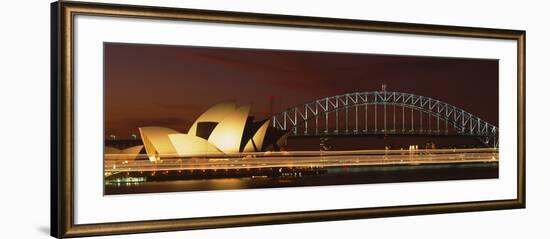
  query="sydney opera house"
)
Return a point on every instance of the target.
[{"x": 224, "y": 129}]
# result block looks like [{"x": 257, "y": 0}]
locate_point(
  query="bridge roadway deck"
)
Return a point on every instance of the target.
[{"x": 306, "y": 159}]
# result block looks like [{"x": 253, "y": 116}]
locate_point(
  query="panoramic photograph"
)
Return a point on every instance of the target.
[{"x": 190, "y": 118}]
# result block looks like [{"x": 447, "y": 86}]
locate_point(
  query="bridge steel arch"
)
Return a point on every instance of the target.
[{"x": 298, "y": 119}]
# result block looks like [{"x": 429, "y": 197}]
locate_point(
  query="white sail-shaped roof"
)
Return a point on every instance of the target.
[
  {"x": 215, "y": 113},
  {"x": 256, "y": 142},
  {"x": 156, "y": 141},
  {"x": 228, "y": 133},
  {"x": 189, "y": 145}
]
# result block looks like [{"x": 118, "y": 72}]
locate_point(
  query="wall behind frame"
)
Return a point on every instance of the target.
[{"x": 24, "y": 94}]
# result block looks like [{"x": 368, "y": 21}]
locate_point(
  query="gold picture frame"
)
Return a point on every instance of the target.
[{"x": 62, "y": 181}]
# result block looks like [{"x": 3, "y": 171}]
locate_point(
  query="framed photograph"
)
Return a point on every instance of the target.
[{"x": 172, "y": 119}]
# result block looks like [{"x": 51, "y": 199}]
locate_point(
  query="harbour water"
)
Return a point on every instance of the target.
[{"x": 278, "y": 177}]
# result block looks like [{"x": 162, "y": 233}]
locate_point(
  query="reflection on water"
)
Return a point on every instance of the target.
[{"x": 330, "y": 176}]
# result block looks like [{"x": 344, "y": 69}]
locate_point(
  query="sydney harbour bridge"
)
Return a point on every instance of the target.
[{"x": 383, "y": 113}]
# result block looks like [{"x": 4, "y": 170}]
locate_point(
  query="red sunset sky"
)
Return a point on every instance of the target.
[{"x": 171, "y": 86}]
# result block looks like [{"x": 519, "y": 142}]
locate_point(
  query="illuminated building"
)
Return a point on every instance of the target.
[{"x": 222, "y": 129}]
